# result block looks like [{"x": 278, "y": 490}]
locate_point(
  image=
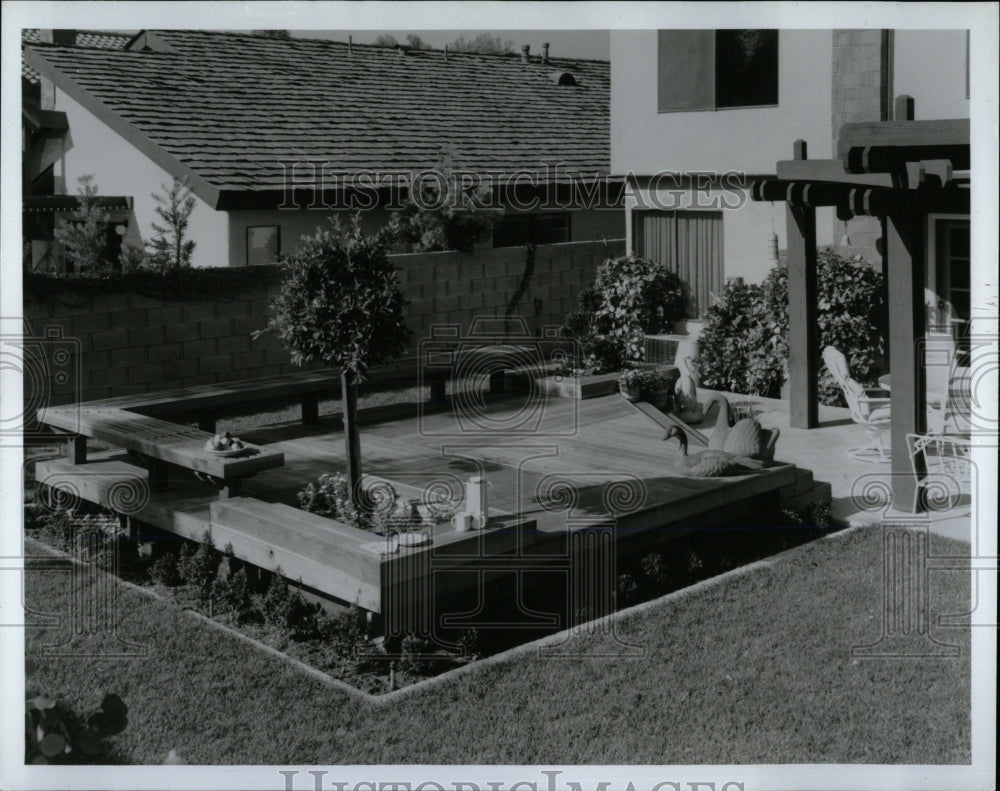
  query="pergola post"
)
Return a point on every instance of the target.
[
  {"x": 905, "y": 258},
  {"x": 803, "y": 341}
]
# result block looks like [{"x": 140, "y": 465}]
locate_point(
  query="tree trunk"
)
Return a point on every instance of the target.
[{"x": 352, "y": 439}]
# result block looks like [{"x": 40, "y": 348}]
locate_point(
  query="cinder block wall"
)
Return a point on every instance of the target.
[
  {"x": 128, "y": 342},
  {"x": 862, "y": 91}
]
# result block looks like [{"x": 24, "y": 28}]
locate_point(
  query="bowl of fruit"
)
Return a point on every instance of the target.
[{"x": 225, "y": 445}]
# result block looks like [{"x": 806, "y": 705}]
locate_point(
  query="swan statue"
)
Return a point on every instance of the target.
[
  {"x": 744, "y": 437},
  {"x": 708, "y": 463}
]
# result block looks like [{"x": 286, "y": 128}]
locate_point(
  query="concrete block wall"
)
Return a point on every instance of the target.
[
  {"x": 126, "y": 343},
  {"x": 862, "y": 91}
]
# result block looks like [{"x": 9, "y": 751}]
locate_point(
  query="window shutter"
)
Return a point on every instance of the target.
[{"x": 686, "y": 70}]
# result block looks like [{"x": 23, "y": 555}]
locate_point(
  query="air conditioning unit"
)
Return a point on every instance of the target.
[{"x": 662, "y": 349}]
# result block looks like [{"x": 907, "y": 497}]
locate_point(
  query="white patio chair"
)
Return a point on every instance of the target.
[
  {"x": 867, "y": 410},
  {"x": 948, "y": 471}
]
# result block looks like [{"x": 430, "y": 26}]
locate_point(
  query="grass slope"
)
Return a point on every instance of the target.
[{"x": 755, "y": 669}]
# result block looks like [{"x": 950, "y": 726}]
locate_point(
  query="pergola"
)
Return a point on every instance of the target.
[{"x": 899, "y": 171}]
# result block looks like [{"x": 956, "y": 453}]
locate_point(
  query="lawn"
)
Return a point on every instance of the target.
[{"x": 754, "y": 668}]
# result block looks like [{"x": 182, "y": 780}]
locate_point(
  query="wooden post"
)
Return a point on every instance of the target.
[
  {"x": 903, "y": 109},
  {"x": 352, "y": 438},
  {"x": 206, "y": 420},
  {"x": 76, "y": 450},
  {"x": 803, "y": 338},
  {"x": 905, "y": 254},
  {"x": 310, "y": 409}
]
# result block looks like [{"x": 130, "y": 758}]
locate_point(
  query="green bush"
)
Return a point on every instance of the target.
[
  {"x": 744, "y": 346},
  {"x": 348, "y": 632},
  {"x": 417, "y": 655},
  {"x": 741, "y": 348},
  {"x": 631, "y": 297},
  {"x": 164, "y": 570},
  {"x": 200, "y": 568}
]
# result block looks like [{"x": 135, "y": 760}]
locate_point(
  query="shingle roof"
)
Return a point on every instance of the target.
[
  {"x": 232, "y": 107},
  {"x": 85, "y": 38}
]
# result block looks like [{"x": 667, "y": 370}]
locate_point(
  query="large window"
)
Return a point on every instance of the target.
[
  {"x": 263, "y": 244},
  {"x": 690, "y": 244},
  {"x": 716, "y": 69}
]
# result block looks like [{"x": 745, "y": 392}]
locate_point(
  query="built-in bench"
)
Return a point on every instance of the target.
[{"x": 162, "y": 444}]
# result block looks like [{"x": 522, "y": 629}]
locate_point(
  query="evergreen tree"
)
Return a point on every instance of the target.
[
  {"x": 169, "y": 249},
  {"x": 85, "y": 238}
]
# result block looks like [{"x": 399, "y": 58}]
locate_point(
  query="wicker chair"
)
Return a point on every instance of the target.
[{"x": 867, "y": 410}]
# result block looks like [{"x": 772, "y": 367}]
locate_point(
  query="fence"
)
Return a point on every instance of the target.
[{"x": 126, "y": 342}]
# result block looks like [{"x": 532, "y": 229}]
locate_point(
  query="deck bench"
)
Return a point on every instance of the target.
[
  {"x": 442, "y": 364},
  {"x": 161, "y": 443}
]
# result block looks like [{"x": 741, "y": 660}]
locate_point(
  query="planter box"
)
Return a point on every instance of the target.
[{"x": 520, "y": 381}]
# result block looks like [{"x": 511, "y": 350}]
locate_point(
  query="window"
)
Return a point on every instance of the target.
[
  {"x": 263, "y": 244},
  {"x": 952, "y": 277},
  {"x": 716, "y": 69},
  {"x": 518, "y": 229},
  {"x": 690, "y": 244}
]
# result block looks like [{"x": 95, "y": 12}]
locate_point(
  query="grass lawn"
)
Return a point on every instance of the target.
[{"x": 753, "y": 669}]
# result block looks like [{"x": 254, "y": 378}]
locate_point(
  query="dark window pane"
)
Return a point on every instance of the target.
[
  {"x": 746, "y": 68},
  {"x": 685, "y": 70},
  {"x": 263, "y": 245},
  {"x": 959, "y": 242}
]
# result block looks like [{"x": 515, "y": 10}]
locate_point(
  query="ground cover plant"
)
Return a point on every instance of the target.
[{"x": 753, "y": 669}]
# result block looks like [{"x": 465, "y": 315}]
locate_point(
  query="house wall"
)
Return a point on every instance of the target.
[
  {"x": 121, "y": 169},
  {"x": 750, "y": 140},
  {"x": 127, "y": 342},
  {"x": 746, "y": 224},
  {"x": 930, "y": 66},
  {"x": 741, "y": 141}
]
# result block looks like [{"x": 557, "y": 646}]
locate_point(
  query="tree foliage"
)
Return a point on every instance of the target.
[
  {"x": 340, "y": 301},
  {"x": 169, "y": 249},
  {"x": 85, "y": 236},
  {"x": 483, "y": 44}
]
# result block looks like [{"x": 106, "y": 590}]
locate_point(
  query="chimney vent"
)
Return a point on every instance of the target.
[
  {"x": 446, "y": 52},
  {"x": 350, "y": 45},
  {"x": 525, "y": 51},
  {"x": 545, "y": 52},
  {"x": 62, "y": 38}
]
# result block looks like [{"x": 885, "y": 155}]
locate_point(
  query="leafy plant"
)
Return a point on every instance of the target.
[
  {"x": 165, "y": 571},
  {"x": 417, "y": 655},
  {"x": 168, "y": 249},
  {"x": 340, "y": 302},
  {"x": 631, "y": 297},
  {"x": 443, "y": 213},
  {"x": 642, "y": 381},
  {"x": 744, "y": 346},
  {"x": 53, "y": 734},
  {"x": 348, "y": 632},
  {"x": 330, "y": 497},
  {"x": 200, "y": 568},
  {"x": 85, "y": 237},
  {"x": 236, "y": 593},
  {"x": 627, "y": 587},
  {"x": 655, "y": 569}
]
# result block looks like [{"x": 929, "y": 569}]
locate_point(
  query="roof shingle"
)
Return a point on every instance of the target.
[{"x": 236, "y": 109}]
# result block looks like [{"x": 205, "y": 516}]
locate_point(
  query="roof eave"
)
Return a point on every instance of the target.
[{"x": 204, "y": 189}]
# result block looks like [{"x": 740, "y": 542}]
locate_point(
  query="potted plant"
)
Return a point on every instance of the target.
[{"x": 645, "y": 384}]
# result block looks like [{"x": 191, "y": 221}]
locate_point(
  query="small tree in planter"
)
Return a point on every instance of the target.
[{"x": 340, "y": 303}]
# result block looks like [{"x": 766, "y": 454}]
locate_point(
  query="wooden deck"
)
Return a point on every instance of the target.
[{"x": 593, "y": 465}]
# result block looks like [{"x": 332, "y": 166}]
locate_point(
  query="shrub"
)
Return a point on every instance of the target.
[
  {"x": 630, "y": 298},
  {"x": 417, "y": 655},
  {"x": 348, "y": 632},
  {"x": 744, "y": 346},
  {"x": 642, "y": 381},
  {"x": 289, "y": 611},
  {"x": 236, "y": 593},
  {"x": 628, "y": 588},
  {"x": 330, "y": 497},
  {"x": 200, "y": 568},
  {"x": 165, "y": 570},
  {"x": 655, "y": 569}
]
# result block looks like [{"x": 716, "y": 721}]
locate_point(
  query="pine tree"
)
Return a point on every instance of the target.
[
  {"x": 85, "y": 238},
  {"x": 169, "y": 249}
]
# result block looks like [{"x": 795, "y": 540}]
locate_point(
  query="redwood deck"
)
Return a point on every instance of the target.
[{"x": 573, "y": 467}]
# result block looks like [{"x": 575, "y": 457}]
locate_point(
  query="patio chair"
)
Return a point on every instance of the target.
[
  {"x": 947, "y": 464},
  {"x": 867, "y": 410}
]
